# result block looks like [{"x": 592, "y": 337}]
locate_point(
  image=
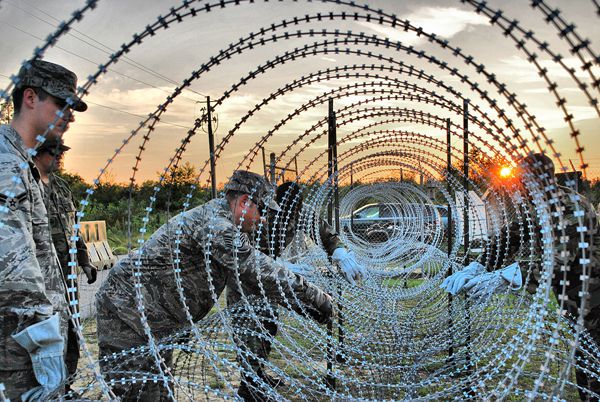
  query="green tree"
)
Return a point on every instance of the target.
[{"x": 6, "y": 112}]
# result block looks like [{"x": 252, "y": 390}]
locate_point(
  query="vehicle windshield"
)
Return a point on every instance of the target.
[{"x": 368, "y": 212}]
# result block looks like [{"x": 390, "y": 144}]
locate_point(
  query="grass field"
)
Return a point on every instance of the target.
[{"x": 396, "y": 356}]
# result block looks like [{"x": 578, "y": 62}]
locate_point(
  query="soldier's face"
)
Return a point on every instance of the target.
[
  {"x": 45, "y": 111},
  {"x": 46, "y": 162},
  {"x": 246, "y": 214}
]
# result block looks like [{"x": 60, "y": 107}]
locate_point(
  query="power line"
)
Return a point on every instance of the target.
[
  {"x": 134, "y": 114},
  {"x": 95, "y": 63},
  {"x": 125, "y": 59}
]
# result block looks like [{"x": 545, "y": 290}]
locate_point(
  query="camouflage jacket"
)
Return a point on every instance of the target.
[
  {"x": 212, "y": 254},
  {"x": 279, "y": 239},
  {"x": 516, "y": 243},
  {"x": 61, "y": 214},
  {"x": 31, "y": 284}
]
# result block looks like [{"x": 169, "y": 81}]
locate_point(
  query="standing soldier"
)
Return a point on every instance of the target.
[
  {"x": 61, "y": 214},
  {"x": 33, "y": 309},
  {"x": 208, "y": 247},
  {"x": 569, "y": 253}
]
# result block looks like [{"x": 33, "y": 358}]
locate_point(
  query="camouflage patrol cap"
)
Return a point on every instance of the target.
[
  {"x": 52, "y": 78},
  {"x": 53, "y": 144},
  {"x": 539, "y": 163},
  {"x": 255, "y": 186}
]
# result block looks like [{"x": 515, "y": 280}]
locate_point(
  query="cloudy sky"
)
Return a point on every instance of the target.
[{"x": 137, "y": 84}]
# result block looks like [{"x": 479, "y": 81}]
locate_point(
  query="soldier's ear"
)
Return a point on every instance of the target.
[{"x": 29, "y": 98}]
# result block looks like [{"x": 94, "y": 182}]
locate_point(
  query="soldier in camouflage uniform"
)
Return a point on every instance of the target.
[
  {"x": 33, "y": 309},
  {"x": 283, "y": 240},
  {"x": 61, "y": 215},
  {"x": 515, "y": 242},
  {"x": 208, "y": 251}
]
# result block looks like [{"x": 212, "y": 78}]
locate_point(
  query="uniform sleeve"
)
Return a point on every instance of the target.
[
  {"x": 329, "y": 237},
  {"x": 280, "y": 285},
  {"x": 508, "y": 247},
  {"x": 503, "y": 246},
  {"x": 22, "y": 289},
  {"x": 577, "y": 238},
  {"x": 83, "y": 258}
]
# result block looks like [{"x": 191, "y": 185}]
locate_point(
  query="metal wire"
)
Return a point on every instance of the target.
[{"x": 398, "y": 325}]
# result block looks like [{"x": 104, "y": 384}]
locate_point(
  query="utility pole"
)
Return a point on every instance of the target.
[
  {"x": 264, "y": 162},
  {"x": 466, "y": 225},
  {"x": 211, "y": 145},
  {"x": 272, "y": 161},
  {"x": 449, "y": 238}
]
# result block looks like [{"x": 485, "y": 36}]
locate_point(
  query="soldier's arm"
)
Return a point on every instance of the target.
[
  {"x": 329, "y": 237},
  {"x": 83, "y": 257},
  {"x": 254, "y": 267},
  {"x": 503, "y": 248},
  {"x": 22, "y": 289}
]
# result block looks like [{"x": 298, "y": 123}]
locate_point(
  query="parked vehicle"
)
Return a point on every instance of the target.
[{"x": 382, "y": 221}]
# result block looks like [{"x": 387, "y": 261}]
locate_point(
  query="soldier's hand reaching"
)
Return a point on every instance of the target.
[
  {"x": 323, "y": 310},
  {"x": 353, "y": 271},
  {"x": 90, "y": 272},
  {"x": 300, "y": 268}
]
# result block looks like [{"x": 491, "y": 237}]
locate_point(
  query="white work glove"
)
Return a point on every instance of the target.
[
  {"x": 347, "y": 262},
  {"x": 45, "y": 345},
  {"x": 455, "y": 282},
  {"x": 300, "y": 269},
  {"x": 482, "y": 287}
]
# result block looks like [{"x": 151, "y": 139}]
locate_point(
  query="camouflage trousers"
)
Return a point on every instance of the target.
[
  {"x": 16, "y": 371},
  {"x": 17, "y": 382},
  {"x": 72, "y": 358},
  {"x": 586, "y": 380},
  {"x": 254, "y": 327},
  {"x": 249, "y": 333},
  {"x": 114, "y": 337}
]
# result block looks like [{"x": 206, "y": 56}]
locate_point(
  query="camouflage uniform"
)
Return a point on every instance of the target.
[
  {"x": 31, "y": 283},
  {"x": 61, "y": 214},
  {"x": 208, "y": 237},
  {"x": 291, "y": 244},
  {"x": 567, "y": 255}
]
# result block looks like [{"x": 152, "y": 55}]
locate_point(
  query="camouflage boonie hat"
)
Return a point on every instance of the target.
[
  {"x": 52, "y": 78},
  {"x": 255, "y": 186},
  {"x": 53, "y": 144}
]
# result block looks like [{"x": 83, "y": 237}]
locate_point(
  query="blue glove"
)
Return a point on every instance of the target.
[
  {"x": 346, "y": 260},
  {"x": 300, "y": 269},
  {"x": 455, "y": 282},
  {"x": 482, "y": 287},
  {"x": 45, "y": 345}
]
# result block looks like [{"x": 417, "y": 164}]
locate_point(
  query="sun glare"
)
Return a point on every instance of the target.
[{"x": 505, "y": 172}]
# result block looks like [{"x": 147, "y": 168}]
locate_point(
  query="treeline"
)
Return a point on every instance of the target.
[{"x": 120, "y": 204}]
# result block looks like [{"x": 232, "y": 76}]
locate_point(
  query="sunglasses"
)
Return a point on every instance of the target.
[
  {"x": 54, "y": 153},
  {"x": 60, "y": 103}
]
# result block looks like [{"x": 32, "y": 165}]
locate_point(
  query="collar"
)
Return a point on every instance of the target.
[
  {"x": 13, "y": 137},
  {"x": 224, "y": 206}
]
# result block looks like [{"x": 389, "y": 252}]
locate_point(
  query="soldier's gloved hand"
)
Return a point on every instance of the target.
[
  {"x": 455, "y": 282},
  {"x": 322, "y": 309},
  {"x": 300, "y": 269},
  {"x": 90, "y": 272},
  {"x": 45, "y": 345},
  {"x": 347, "y": 261},
  {"x": 482, "y": 287}
]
